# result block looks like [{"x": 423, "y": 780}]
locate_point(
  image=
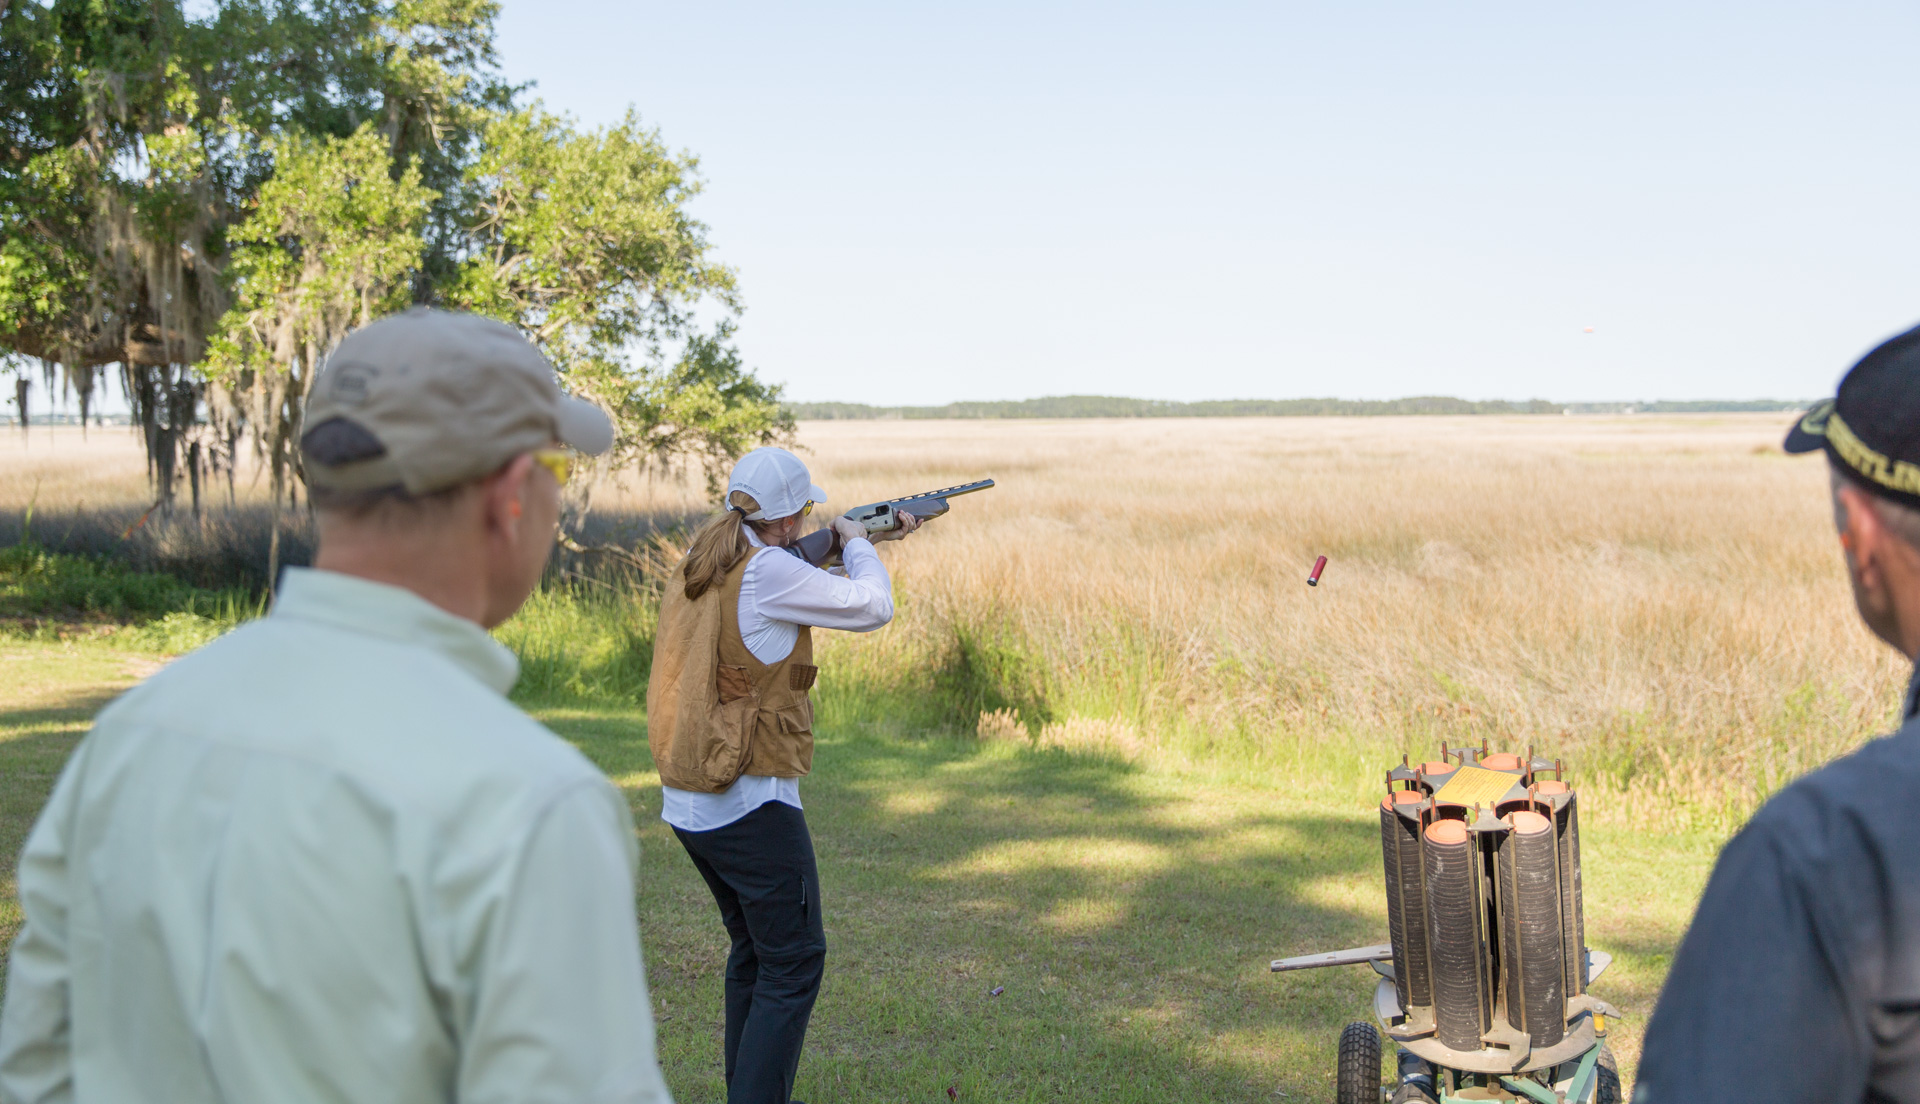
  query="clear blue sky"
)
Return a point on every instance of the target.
[
  {"x": 986, "y": 201},
  {"x": 1000, "y": 201},
  {"x": 937, "y": 202}
]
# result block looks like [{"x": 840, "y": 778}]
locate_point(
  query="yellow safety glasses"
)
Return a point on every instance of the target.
[{"x": 559, "y": 461}]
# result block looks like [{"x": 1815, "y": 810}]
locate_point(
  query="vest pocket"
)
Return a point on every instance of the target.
[
  {"x": 784, "y": 746},
  {"x": 726, "y": 746},
  {"x": 733, "y": 682},
  {"x": 795, "y": 719},
  {"x": 800, "y": 676}
]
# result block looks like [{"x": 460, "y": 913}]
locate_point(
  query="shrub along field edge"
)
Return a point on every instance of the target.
[{"x": 589, "y": 637}]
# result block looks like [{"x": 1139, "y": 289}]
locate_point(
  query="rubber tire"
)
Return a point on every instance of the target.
[
  {"x": 1606, "y": 1072},
  {"x": 1358, "y": 1079}
]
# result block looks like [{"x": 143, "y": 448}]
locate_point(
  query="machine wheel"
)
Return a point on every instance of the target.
[
  {"x": 1606, "y": 1078},
  {"x": 1358, "y": 1079}
]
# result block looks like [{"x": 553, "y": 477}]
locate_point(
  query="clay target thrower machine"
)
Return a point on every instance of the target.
[{"x": 1484, "y": 984}]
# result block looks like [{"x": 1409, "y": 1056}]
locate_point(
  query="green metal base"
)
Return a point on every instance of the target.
[{"x": 1576, "y": 1088}]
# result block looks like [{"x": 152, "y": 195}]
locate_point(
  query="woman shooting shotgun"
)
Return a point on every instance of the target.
[{"x": 731, "y": 729}]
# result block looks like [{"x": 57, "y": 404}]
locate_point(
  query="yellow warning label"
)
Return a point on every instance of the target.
[{"x": 1476, "y": 785}]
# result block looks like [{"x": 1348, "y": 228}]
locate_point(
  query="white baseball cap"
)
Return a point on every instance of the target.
[{"x": 777, "y": 480}]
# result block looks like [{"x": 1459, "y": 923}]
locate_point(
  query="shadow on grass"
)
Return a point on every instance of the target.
[
  {"x": 1127, "y": 921},
  {"x": 35, "y": 742}
]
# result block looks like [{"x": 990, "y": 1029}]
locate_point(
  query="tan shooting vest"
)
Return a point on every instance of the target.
[{"x": 714, "y": 712}]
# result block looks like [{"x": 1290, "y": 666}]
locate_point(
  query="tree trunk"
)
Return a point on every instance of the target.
[
  {"x": 193, "y": 477},
  {"x": 276, "y": 479},
  {"x": 273, "y": 556}
]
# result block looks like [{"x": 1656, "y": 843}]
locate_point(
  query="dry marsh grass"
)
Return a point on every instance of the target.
[
  {"x": 100, "y": 469},
  {"x": 1658, "y": 598},
  {"x": 1154, "y": 744},
  {"x": 88, "y": 493}
]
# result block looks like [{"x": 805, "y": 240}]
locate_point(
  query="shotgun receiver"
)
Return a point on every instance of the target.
[{"x": 822, "y": 549}]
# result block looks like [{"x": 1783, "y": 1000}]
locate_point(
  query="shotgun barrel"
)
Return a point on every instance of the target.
[{"x": 821, "y": 550}]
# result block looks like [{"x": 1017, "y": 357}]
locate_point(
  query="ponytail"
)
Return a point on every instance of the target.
[{"x": 719, "y": 545}]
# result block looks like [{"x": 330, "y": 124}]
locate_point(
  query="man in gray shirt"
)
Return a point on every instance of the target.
[{"x": 323, "y": 858}]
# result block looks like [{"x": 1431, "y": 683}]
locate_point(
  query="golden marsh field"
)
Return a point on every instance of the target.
[
  {"x": 1114, "y": 753},
  {"x": 1659, "y": 599}
]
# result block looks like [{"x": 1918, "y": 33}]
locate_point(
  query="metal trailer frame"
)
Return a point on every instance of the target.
[{"x": 1494, "y": 1072}]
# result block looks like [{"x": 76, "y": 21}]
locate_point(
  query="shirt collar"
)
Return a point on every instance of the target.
[
  {"x": 1912, "y": 705},
  {"x": 393, "y": 613},
  {"x": 753, "y": 539}
]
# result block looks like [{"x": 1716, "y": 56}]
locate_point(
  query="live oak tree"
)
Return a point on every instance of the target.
[
  {"x": 585, "y": 243},
  {"x": 206, "y": 199},
  {"x": 327, "y": 247}
]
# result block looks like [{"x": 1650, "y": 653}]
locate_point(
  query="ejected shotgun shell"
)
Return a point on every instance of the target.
[{"x": 1313, "y": 577}]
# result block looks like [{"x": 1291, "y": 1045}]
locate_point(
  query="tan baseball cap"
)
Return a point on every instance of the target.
[{"x": 436, "y": 399}]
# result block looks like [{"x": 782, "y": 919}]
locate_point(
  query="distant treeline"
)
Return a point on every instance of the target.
[{"x": 1108, "y": 406}]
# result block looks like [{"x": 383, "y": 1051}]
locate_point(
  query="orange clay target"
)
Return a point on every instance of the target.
[{"x": 1527, "y": 822}]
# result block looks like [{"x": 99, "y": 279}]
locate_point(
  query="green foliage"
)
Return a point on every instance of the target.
[
  {"x": 984, "y": 671},
  {"x": 328, "y": 246},
  {"x": 44, "y": 259},
  {"x": 212, "y": 194},
  {"x": 582, "y": 640},
  {"x": 178, "y": 632},
  {"x": 706, "y": 407},
  {"x": 46, "y": 252},
  {"x": 583, "y": 240},
  {"x": 144, "y": 610},
  {"x": 576, "y": 639}
]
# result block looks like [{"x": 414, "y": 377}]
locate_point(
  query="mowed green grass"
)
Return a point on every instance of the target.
[{"x": 1126, "y": 910}]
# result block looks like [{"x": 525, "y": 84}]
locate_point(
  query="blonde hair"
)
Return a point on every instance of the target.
[{"x": 721, "y": 543}]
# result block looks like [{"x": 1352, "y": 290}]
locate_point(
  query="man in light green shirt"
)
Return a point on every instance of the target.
[{"x": 323, "y": 859}]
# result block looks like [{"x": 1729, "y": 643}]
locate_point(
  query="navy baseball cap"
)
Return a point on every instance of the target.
[{"x": 1870, "y": 429}]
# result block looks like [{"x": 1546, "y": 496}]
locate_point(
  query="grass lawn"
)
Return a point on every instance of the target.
[{"x": 1128, "y": 912}]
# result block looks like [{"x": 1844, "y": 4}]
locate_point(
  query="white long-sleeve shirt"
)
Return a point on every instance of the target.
[
  {"x": 779, "y": 593},
  {"x": 324, "y": 859}
]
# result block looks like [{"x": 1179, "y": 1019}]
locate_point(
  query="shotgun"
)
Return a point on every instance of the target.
[{"x": 822, "y": 548}]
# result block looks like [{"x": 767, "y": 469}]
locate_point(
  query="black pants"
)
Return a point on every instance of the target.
[{"x": 762, "y": 874}]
